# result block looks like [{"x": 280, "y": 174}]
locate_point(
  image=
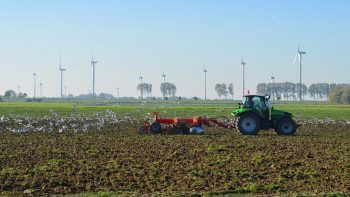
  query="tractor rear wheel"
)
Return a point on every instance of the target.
[
  {"x": 156, "y": 127},
  {"x": 248, "y": 124},
  {"x": 286, "y": 126}
]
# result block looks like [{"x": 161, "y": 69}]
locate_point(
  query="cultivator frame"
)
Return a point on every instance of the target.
[{"x": 181, "y": 125}]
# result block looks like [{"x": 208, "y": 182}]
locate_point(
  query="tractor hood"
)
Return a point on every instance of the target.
[{"x": 239, "y": 111}]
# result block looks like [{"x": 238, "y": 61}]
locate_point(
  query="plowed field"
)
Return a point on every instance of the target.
[{"x": 118, "y": 159}]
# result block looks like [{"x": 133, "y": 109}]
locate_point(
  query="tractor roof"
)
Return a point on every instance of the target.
[{"x": 253, "y": 95}]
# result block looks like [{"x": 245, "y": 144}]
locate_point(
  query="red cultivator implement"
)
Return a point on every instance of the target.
[{"x": 177, "y": 125}]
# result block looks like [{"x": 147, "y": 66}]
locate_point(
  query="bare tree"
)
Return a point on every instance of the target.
[
  {"x": 313, "y": 91},
  {"x": 163, "y": 89},
  {"x": 10, "y": 94},
  {"x": 173, "y": 90},
  {"x": 224, "y": 90},
  {"x": 168, "y": 89},
  {"x": 230, "y": 89},
  {"x": 261, "y": 88},
  {"x": 144, "y": 88},
  {"x": 149, "y": 90},
  {"x": 218, "y": 90},
  {"x": 221, "y": 90}
]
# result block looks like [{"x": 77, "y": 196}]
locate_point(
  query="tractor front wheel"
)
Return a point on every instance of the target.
[
  {"x": 286, "y": 126},
  {"x": 248, "y": 124},
  {"x": 156, "y": 127}
]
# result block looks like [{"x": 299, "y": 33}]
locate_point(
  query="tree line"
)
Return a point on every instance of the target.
[
  {"x": 223, "y": 90},
  {"x": 167, "y": 89},
  {"x": 290, "y": 91},
  {"x": 285, "y": 90},
  {"x": 340, "y": 94},
  {"x": 145, "y": 89},
  {"x": 334, "y": 93},
  {"x": 13, "y": 94}
]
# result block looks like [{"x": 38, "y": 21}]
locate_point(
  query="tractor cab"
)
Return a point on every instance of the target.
[{"x": 256, "y": 103}]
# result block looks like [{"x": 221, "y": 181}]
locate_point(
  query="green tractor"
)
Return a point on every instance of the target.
[{"x": 255, "y": 114}]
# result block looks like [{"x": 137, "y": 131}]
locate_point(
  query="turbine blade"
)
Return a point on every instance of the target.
[
  {"x": 295, "y": 59},
  {"x": 60, "y": 59}
]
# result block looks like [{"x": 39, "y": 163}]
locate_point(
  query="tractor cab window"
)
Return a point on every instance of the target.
[
  {"x": 248, "y": 102},
  {"x": 259, "y": 103},
  {"x": 254, "y": 102}
]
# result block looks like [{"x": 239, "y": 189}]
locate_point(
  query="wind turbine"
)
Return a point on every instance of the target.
[
  {"x": 243, "y": 70},
  {"x": 34, "y": 75},
  {"x": 41, "y": 89},
  {"x": 273, "y": 86},
  {"x": 163, "y": 76},
  {"x": 61, "y": 70},
  {"x": 93, "y": 76},
  {"x": 299, "y": 56},
  {"x": 205, "y": 83}
]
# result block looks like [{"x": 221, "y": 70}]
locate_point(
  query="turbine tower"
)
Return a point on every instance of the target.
[
  {"x": 243, "y": 70},
  {"x": 140, "y": 78},
  {"x": 93, "y": 76},
  {"x": 61, "y": 70},
  {"x": 299, "y": 56},
  {"x": 205, "y": 83},
  {"x": 34, "y": 75},
  {"x": 41, "y": 89},
  {"x": 163, "y": 76},
  {"x": 273, "y": 86}
]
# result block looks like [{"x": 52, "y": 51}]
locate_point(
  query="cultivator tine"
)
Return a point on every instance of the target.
[{"x": 218, "y": 123}]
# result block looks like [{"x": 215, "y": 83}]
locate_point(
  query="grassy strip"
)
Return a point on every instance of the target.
[{"x": 303, "y": 111}]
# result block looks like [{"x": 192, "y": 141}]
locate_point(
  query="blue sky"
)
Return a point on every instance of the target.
[{"x": 178, "y": 37}]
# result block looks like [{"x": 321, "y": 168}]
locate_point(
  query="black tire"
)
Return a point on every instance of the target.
[
  {"x": 286, "y": 126},
  {"x": 156, "y": 127},
  {"x": 142, "y": 130},
  {"x": 248, "y": 124},
  {"x": 185, "y": 130},
  {"x": 176, "y": 131}
]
